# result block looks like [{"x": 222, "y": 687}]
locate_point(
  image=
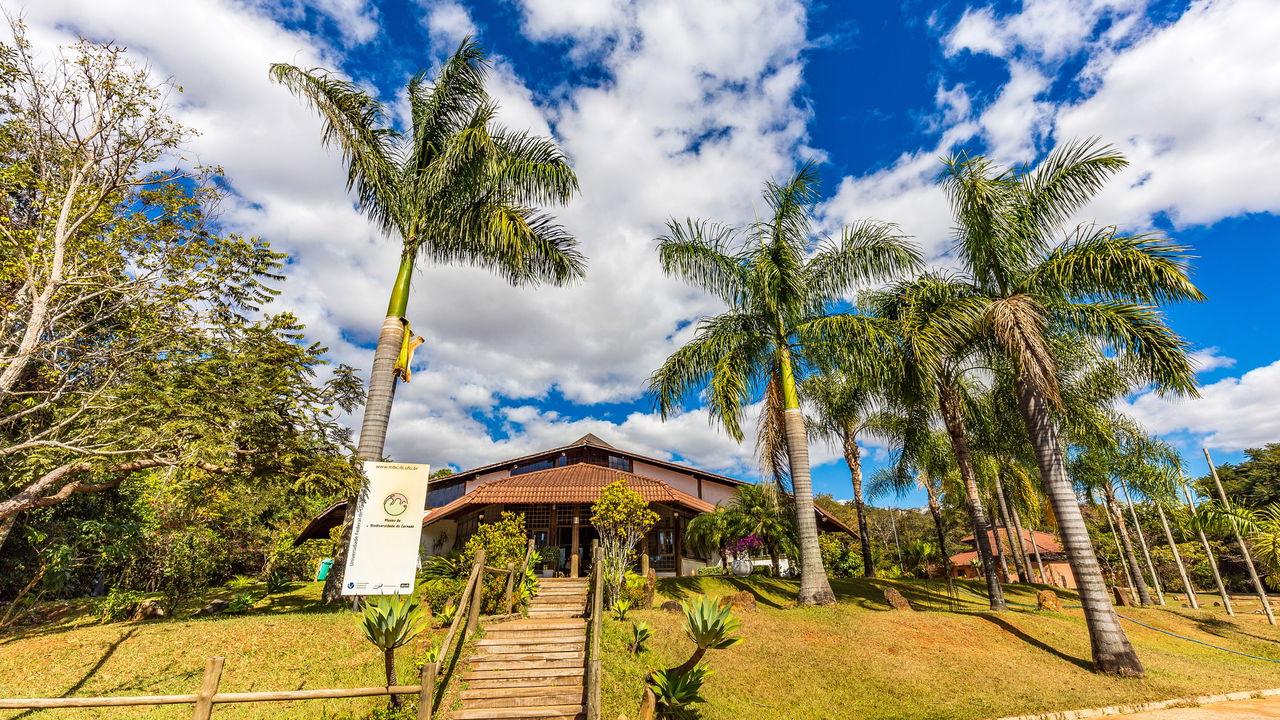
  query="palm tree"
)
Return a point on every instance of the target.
[
  {"x": 1093, "y": 470},
  {"x": 1095, "y": 283},
  {"x": 711, "y": 532},
  {"x": 929, "y": 318},
  {"x": 778, "y": 324},
  {"x": 924, "y": 461},
  {"x": 845, "y": 406},
  {"x": 762, "y": 510},
  {"x": 455, "y": 188}
]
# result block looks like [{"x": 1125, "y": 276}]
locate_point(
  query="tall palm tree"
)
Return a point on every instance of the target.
[
  {"x": 454, "y": 189},
  {"x": 1037, "y": 277},
  {"x": 931, "y": 348},
  {"x": 844, "y": 407},
  {"x": 778, "y": 324}
]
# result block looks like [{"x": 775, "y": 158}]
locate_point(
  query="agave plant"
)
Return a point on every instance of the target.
[
  {"x": 710, "y": 626},
  {"x": 621, "y": 608},
  {"x": 446, "y": 615},
  {"x": 676, "y": 690},
  {"x": 389, "y": 622},
  {"x": 640, "y": 633},
  {"x": 447, "y": 567}
]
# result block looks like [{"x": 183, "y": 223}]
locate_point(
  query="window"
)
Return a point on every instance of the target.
[
  {"x": 533, "y": 467},
  {"x": 441, "y": 496},
  {"x": 619, "y": 463}
]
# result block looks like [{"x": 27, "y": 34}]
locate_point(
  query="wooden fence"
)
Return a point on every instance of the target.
[{"x": 208, "y": 696}]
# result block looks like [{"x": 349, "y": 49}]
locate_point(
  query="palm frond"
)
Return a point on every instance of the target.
[
  {"x": 1068, "y": 178},
  {"x": 1096, "y": 262},
  {"x": 1137, "y": 330},
  {"x": 698, "y": 252},
  {"x": 866, "y": 251}
]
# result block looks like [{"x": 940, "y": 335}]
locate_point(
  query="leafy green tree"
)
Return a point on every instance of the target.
[
  {"x": 1254, "y": 483},
  {"x": 455, "y": 188},
  {"x": 779, "y": 323},
  {"x": 621, "y": 517},
  {"x": 1030, "y": 277},
  {"x": 131, "y": 340}
]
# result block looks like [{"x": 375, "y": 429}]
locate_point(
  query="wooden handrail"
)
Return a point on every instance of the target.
[
  {"x": 597, "y": 617},
  {"x": 470, "y": 598}
]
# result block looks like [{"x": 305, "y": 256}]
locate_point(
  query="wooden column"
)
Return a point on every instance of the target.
[
  {"x": 679, "y": 544},
  {"x": 208, "y": 688},
  {"x": 574, "y": 560}
]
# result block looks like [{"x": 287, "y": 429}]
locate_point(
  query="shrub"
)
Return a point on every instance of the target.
[
  {"x": 633, "y": 590},
  {"x": 439, "y": 593},
  {"x": 711, "y": 571},
  {"x": 621, "y": 608},
  {"x": 241, "y": 604},
  {"x": 449, "y": 567},
  {"x": 841, "y": 555},
  {"x": 549, "y": 555},
  {"x": 622, "y": 517},
  {"x": 504, "y": 541},
  {"x": 187, "y": 563},
  {"x": 117, "y": 605}
]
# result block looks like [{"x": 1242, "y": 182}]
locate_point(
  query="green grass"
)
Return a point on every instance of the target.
[
  {"x": 292, "y": 642},
  {"x": 859, "y": 659}
]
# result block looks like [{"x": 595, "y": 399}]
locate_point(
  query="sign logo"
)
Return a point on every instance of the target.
[{"x": 395, "y": 504}]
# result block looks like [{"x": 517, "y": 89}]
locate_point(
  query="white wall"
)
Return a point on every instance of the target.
[
  {"x": 712, "y": 491},
  {"x": 439, "y": 537}
]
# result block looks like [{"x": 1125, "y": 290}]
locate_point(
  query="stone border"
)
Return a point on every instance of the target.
[{"x": 1146, "y": 707}]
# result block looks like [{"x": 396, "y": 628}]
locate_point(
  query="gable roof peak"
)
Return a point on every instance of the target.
[{"x": 590, "y": 439}]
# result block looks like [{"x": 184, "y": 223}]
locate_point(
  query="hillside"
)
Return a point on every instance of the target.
[{"x": 854, "y": 660}]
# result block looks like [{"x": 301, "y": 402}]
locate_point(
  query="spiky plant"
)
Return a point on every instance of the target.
[
  {"x": 390, "y": 622},
  {"x": 676, "y": 690},
  {"x": 640, "y": 633}
]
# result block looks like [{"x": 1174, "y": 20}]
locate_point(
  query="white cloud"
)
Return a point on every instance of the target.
[
  {"x": 448, "y": 22},
  {"x": 689, "y": 121},
  {"x": 1232, "y": 414},
  {"x": 1208, "y": 359},
  {"x": 356, "y": 20},
  {"x": 1048, "y": 30}
]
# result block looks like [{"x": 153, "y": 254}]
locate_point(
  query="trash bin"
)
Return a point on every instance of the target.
[{"x": 322, "y": 572}]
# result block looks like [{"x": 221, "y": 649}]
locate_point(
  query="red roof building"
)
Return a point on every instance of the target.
[
  {"x": 555, "y": 489},
  {"x": 1052, "y": 561}
]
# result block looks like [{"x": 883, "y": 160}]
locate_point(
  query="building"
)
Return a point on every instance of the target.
[
  {"x": 1052, "y": 557},
  {"x": 554, "y": 489}
]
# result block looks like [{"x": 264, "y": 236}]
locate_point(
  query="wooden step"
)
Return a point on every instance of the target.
[
  {"x": 549, "y": 711},
  {"x": 530, "y": 701},
  {"x": 530, "y": 691},
  {"x": 536, "y": 624},
  {"x": 501, "y": 683},
  {"x": 525, "y": 648},
  {"x": 555, "y": 635},
  {"x": 500, "y": 663},
  {"x": 526, "y": 673},
  {"x": 512, "y": 657}
]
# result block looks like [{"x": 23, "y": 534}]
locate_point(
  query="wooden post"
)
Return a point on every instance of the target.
[
  {"x": 678, "y": 544},
  {"x": 1248, "y": 560},
  {"x": 473, "y": 612},
  {"x": 427, "y": 695},
  {"x": 511, "y": 584},
  {"x": 574, "y": 547},
  {"x": 1213, "y": 562},
  {"x": 644, "y": 562},
  {"x": 208, "y": 688}
]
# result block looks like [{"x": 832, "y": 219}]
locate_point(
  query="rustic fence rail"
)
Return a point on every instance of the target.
[{"x": 597, "y": 616}]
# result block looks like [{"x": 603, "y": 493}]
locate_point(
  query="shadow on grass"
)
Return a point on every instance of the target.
[
  {"x": 106, "y": 655},
  {"x": 863, "y": 593},
  {"x": 1221, "y": 627},
  {"x": 1033, "y": 642}
]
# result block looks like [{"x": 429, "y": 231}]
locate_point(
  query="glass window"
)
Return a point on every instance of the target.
[
  {"x": 620, "y": 463},
  {"x": 441, "y": 496},
  {"x": 533, "y": 467}
]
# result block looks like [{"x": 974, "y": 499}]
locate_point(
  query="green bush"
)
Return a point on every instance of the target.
[
  {"x": 440, "y": 592},
  {"x": 841, "y": 555},
  {"x": 712, "y": 571},
  {"x": 117, "y": 605},
  {"x": 187, "y": 563},
  {"x": 633, "y": 591},
  {"x": 504, "y": 541},
  {"x": 241, "y": 604}
]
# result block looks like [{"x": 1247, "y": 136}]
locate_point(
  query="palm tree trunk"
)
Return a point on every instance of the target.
[
  {"x": 389, "y": 665},
  {"x": 1003, "y": 506},
  {"x": 1213, "y": 563},
  {"x": 377, "y": 411},
  {"x": 1142, "y": 542},
  {"x": 853, "y": 456},
  {"x": 1022, "y": 548},
  {"x": 1112, "y": 652},
  {"x": 1124, "y": 564},
  {"x": 1130, "y": 557},
  {"x": 1035, "y": 548},
  {"x": 815, "y": 589},
  {"x": 939, "y": 527},
  {"x": 1244, "y": 549},
  {"x": 953, "y": 418},
  {"x": 1177, "y": 559}
]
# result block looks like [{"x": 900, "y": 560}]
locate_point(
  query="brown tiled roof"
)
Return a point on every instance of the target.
[
  {"x": 1048, "y": 543},
  {"x": 577, "y": 483}
]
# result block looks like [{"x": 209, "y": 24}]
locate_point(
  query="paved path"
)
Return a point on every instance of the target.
[{"x": 1233, "y": 710}]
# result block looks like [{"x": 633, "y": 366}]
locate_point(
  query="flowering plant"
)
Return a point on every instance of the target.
[{"x": 743, "y": 547}]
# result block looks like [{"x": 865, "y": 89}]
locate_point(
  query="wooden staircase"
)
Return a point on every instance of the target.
[{"x": 533, "y": 667}]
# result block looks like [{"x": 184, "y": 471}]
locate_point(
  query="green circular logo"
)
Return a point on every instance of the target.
[{"x": 395, "y": 504}]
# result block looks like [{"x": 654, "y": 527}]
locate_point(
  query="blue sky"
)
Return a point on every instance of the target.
[{"x": 673, "y": 109}]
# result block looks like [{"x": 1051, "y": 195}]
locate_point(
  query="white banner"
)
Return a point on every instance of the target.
[{"x": 383, "y": 556}]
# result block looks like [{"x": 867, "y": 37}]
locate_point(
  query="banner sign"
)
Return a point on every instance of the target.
[{"x": 383, "y": 556}]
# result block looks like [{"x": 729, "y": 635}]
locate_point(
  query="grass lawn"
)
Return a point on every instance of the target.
[
  {"x": 291, "y": 643},
  {"x": 854, "y": 660},
  {"x": 861, "y": 660}
]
